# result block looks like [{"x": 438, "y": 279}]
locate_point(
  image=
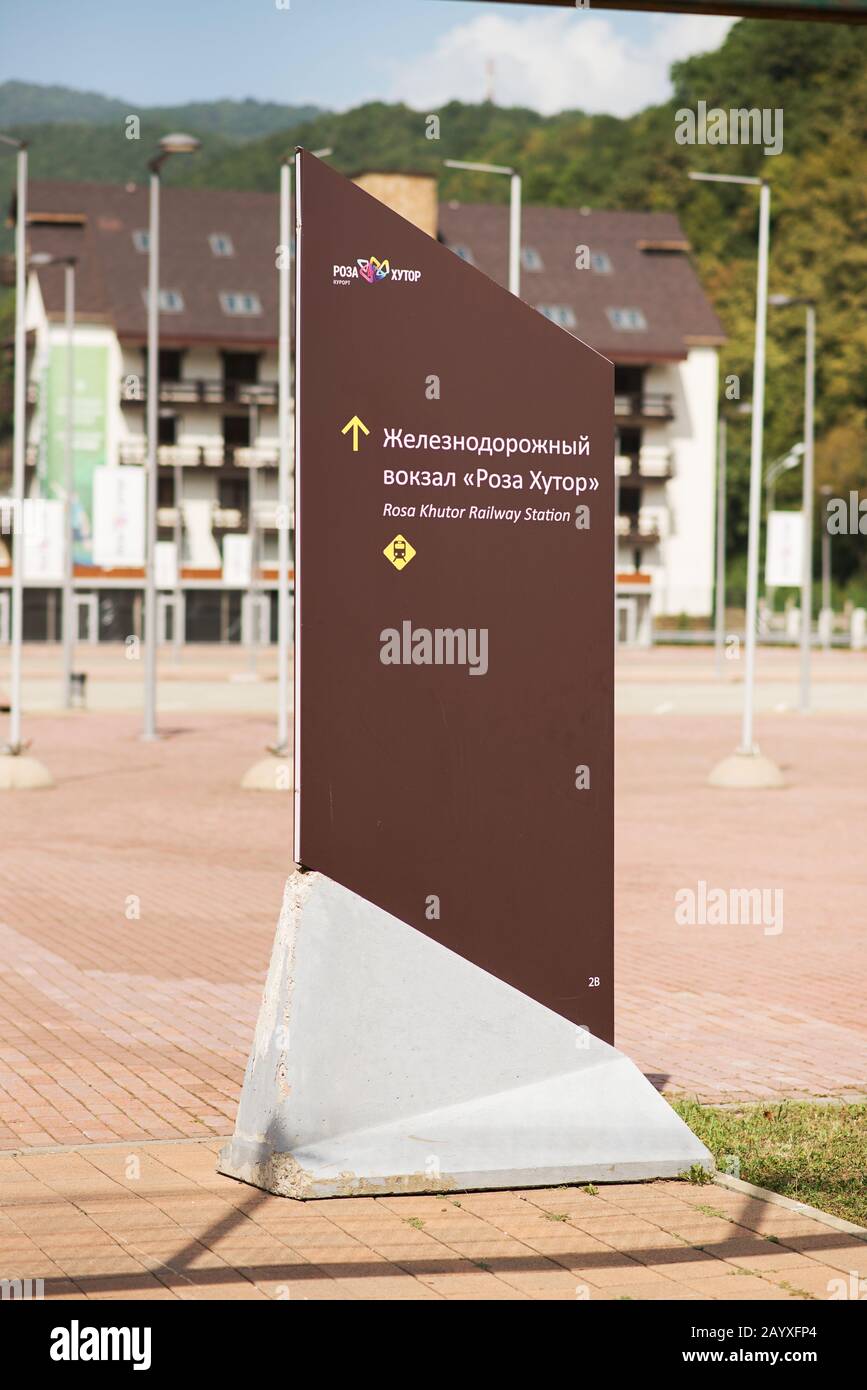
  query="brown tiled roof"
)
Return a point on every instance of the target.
[
  {"x": 112, "y": 273},
  {"x": 646, "y": 273},
  {"x": 659, "y": 282}
]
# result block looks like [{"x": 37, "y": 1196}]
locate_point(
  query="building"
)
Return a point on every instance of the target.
[
  {"x": 217, "y": 444},
  {"x": 622, "y": 281}
]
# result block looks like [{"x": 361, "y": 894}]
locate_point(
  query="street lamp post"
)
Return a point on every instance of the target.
[
  {"x": 263, "y": 775},
  {"x": 69, "y": 263},
  {"x": 720, "y": 584},
  {"x": 826, "y": 570},
  {"x": 514, "y": 213},
  {"x": 18, "y": 445},
  {"x": 785, "y": 301},
  {"x": 169, "y": 145},
  {"x": 758, "y": 771}
]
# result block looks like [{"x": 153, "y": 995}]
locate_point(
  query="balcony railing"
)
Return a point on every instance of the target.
[
  {"x": 133, "y": 391},
  {"x": 649, "y": 464},
  {"x": 217, "y": 455},
  {"x": 637, "y": 531},
  {"x": 227, "y": 518},
  {"x": 644, "y": 405}
]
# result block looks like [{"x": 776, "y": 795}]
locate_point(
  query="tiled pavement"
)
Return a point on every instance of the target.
[
  {"x": 158, "y": 1222},
  {"x": 138, "y": 901}
]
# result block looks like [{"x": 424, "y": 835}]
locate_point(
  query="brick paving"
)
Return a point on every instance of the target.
[
  {"x": 138, "y": 900},
  {"x": 158, "y": 1222}
]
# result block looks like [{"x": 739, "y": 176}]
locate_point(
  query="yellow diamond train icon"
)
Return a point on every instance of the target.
[{"x": 399, "y": 552}]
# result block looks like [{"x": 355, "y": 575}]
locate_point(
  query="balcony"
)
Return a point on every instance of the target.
[
  {"x": 642, "y": 529},
  {"x": 643, "y": 405},
  {"x": 225, "y": 518},
  {"x": 133, "y": 391},
  {"x": 651, "y": 463},
  {"x": 216, "y": 455}
]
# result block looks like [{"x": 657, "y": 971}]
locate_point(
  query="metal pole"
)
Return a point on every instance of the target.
[
  {"x": 515, "y": 234},
  {"x": 177, "y": 627},
  {"x": 807, "y": 508},
  {"x": 770, "y": 501},
  {"x": 69, "y": 486},
  {"x": 747, "y": 744},
  {"x": 826, "y": 580},
  {"x": 616, "y": 496},
  {"x": 153, "y": 390},
  {"x": 284, "y": 375},
  {"x": 252, "y": 491},
  {"x": 720, "y": 585},
  {"x": 18, "y": 447}
]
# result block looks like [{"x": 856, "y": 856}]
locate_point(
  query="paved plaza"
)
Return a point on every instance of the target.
[
  {"x": 160, "y": 1223},
  {"x": 138, "y": 900}
]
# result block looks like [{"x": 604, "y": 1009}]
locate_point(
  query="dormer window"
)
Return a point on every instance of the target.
[
  {"x": 170, "y": 301},
  {"x": 627, "y": 320},
  {"x": 221, "y": 244},
  {"x": 560, "y": 314},
  {"x": 241, "y": 304}
]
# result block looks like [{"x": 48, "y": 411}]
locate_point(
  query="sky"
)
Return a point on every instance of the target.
[{"x": 339, "y": 53}]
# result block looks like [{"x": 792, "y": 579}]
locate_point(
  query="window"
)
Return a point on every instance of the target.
[
  {"x": 530, "y": 258},
  {"x": 221, "y": 244},
  {"x": 170, "y": 364},
  {"x": 600, "y": 261},
  {"x": 465, "y": 253},
  {"x": 560, "y": 314},
  {"x": 628, "y": 320},
  {"x": 241, "y": 367},
  {"x": 628, "y": 380},
  {"x": 170, "y": 301},
  {"x": 141, "y": 241},
  {"x": 240, "y": 304},
  {"x": 232, "y": 493},
  {"x": 236, "y": 431},
  {"x": 167, "y": 429},
  {"x": 166, "y": 490}
]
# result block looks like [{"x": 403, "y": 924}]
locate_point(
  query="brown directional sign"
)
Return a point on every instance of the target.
[{"x": 454, "y": 629}]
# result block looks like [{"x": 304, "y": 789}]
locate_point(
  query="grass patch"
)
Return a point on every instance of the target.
[{"x": 811, "y": 1153}]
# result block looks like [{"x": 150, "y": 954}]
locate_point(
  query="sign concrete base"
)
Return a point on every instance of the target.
[{"x": 385, "y": 1063}]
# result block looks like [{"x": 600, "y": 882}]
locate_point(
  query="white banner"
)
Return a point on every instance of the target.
[
  {"x": 785, "y": 549},
  {"x": 166, "y": 564},
  {"x": 118, "y": 517},
  {"x": 42, "y": 551},
  {"x": 236, "y": 560}
]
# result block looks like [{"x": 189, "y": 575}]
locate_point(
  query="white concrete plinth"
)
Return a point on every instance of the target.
[
  {"x": 385, "y": 1063},
  {"x": 270, "y": 774},
  {"x": 746, "y": 770},
  {"x": 20, "y": 773}
]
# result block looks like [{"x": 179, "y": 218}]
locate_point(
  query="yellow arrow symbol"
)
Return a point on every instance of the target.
[{"x": 355, "y": 425}]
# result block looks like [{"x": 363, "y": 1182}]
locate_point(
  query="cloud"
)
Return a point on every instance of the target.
[{"x": 558, "y": 60}]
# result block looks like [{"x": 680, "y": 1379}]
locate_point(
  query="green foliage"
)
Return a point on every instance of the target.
[
  {"x": 813, "y": 1153},
  {"x": 27, "y": 103}
]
